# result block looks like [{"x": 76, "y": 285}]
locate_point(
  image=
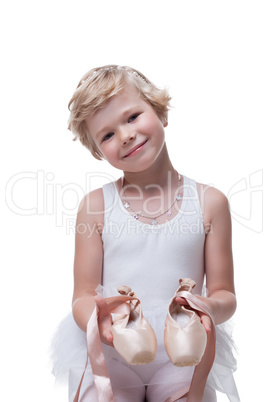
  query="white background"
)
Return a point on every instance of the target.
[{"x": 212, "y": 56}]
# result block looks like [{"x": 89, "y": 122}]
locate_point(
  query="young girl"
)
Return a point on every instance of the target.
[{"x": 146, "y": 230}]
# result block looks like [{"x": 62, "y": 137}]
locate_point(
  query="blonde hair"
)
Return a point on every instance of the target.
[{"x": 98, "y": 86}]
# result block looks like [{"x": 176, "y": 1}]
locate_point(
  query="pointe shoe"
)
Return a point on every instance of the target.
[
  {"x": 134, "y": 338},
  {"x": 185, "y": 344}
]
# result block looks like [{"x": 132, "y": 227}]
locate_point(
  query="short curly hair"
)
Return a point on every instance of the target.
[{"x": 98, "y": 86}]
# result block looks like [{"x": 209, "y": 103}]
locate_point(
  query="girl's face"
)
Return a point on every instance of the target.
[{"x": 128, "y": 132}]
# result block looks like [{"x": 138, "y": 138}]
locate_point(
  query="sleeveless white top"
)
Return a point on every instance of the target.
[{"x": 152, "y": 258}]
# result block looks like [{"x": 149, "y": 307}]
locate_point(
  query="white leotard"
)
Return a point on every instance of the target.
[{"x": 151, "y": 259}]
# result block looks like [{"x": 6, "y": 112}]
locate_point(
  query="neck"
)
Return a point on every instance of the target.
[{"x": 159, "y": 173}]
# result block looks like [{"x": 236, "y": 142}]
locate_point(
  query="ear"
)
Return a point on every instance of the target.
[{"x": 165, "y": 124}]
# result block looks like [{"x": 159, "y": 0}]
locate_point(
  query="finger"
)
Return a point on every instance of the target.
[
  {"x": 181, "y": 301},
  {"x": 104, "y": 314},
  {"x": 206, "y": 321},
  {"x": 102, "y": 306},
  {"x": 108, "y": 335},
  {"x": 104, "y": 319}
]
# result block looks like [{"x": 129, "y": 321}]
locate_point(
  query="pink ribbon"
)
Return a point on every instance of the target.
[
  {"x": 195, "y": 303},
  {"x": 118, "y": 305},
  {"x": 199, "y": 305},
  {"x": 178, "y": 395}
]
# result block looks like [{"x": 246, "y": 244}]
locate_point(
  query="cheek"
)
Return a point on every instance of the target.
[
  {"x": 109, "y": 151},
  {"x": 154, "y": 124},
  {"x": 149, "y": 126},
  {"x": 158, "y": 131}
]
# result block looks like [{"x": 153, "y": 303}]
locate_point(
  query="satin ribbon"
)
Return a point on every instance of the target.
[
  {"x": 199, "y": 305},
  {"x": 178, "y": 395},
  {"x": 118, "y": 305},
  {"x": 196, "y": 303}
]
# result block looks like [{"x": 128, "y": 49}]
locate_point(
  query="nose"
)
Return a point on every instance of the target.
[{"x": 126, "y": 135}]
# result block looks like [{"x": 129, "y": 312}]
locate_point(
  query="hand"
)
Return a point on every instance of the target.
[
  {"x": 203, "y": 368},
  {"x": 104, "y": 320},
  {"x": 205, "y": 319}
]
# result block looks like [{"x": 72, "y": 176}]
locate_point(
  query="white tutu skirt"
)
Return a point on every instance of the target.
[{"x": 69, "y": 354}]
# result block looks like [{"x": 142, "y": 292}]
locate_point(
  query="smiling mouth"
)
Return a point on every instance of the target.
[{"x": 136, "y": 149}]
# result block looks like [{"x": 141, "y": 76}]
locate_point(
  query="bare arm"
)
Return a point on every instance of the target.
[
  {"x": 218, "y": 257},
  {"x": 219, "y": 279},
  {"x": 88, "y": 261}
]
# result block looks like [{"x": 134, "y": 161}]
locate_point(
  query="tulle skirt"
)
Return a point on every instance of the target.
[{"x": 69, "y": 353}]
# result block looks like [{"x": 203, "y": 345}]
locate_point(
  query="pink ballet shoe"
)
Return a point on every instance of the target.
[
  {"x": 134, "y": 338},
  {"x": 185, "y": 344}
]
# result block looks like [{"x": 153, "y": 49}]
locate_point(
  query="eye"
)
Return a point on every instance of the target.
[
  {"x": 107, "y": 136},
  {"x": 133, "y": 117}
]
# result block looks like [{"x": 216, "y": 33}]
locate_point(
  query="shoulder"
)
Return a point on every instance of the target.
[
  {"x": 92, "y": 202},
  {"x": 214, "y": 203},
  {"x": 212, "y": 196},
  {"x": 91, "y": 208}
]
